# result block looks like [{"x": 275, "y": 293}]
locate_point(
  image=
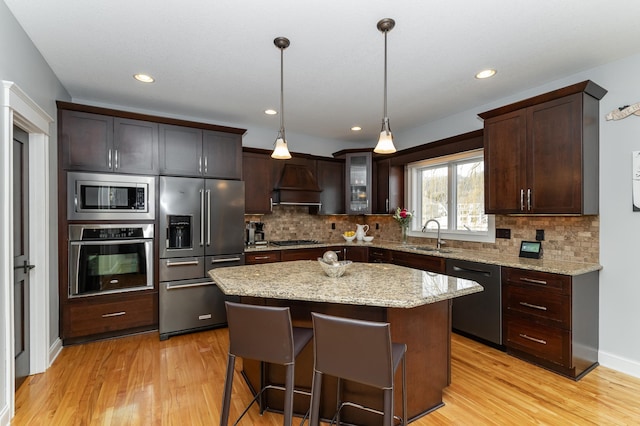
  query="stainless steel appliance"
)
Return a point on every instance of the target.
[
  {"x": 101, "y": 196},
  {"x": 107, "y": 258},
  {"x": 478, "y": 315},
  {"x": 255, "y": 233},
  {"x": 202, "y": 226}
]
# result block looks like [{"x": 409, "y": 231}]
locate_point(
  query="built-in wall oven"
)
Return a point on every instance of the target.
[
  {"x": 110, "y": 258},
  {"x": 101, "y": 196}
]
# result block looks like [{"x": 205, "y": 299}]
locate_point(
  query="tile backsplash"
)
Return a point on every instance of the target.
[{"x": 568, "y": 238}]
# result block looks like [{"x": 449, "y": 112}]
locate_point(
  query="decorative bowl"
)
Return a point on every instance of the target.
[
  {"x": 335, "y": 269},
  {"x": 349, "y": 239},
  {"x": 367, "y": 238}
]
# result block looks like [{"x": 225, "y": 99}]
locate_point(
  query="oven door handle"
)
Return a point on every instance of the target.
[
  {"x": 181, "y": 286},
  {"x": 183, "y": 263},
  {"x": 107, "y": 242}
]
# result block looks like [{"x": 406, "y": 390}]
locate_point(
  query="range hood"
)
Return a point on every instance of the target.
[{"x": 297, "y": 187}]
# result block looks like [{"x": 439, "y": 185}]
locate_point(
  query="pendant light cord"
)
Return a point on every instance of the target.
[
  {"x": 385, "y": 75},
  {"x": 282, "y": 92}
]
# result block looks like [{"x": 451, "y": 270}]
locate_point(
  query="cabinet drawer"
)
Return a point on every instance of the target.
[
  {"x": 262, "y": 257},
  {"x": 94, "y": 318},
  {"x": 551, "y": 282},
  {"x": 549, "y": 343},
  {"x": 302, "y": 254},
  {"x": 378, "y": 255},
  {"x": 538, "y": 303},
  {"x": 419, "y": 261}
]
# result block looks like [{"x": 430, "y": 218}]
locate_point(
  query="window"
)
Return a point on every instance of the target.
[{"x": 450, "y": 190}]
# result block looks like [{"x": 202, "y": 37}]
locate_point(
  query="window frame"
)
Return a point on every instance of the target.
[{"x": 413, "y": 200}]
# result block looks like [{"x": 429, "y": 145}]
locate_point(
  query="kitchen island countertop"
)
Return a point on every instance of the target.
[{"x": 366, "y": 284}]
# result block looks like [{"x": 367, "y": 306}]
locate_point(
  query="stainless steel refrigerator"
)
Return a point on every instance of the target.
[{"x": 201, "y": 228}]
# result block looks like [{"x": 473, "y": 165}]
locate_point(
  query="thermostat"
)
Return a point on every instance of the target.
[{"x": 531, "y": 249}]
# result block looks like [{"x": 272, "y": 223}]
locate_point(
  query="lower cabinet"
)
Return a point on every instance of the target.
[
  {"x": 261, "y": 257},
  {"x": 419, "y": 261},
  {"x": 551, "y": 320},
  {"x": 109, "y": 315},
  {"x": 302, "y": 254},
  {"x": 380, "y": 255}
]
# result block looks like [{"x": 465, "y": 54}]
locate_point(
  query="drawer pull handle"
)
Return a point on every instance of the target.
[
  {"x": 533, "y": 339},
  {"x": 531, "y": 280},
  {"x": 114, "y": 314},
  {"x": 261, "y": 257},
  {"x": 529, "y": 305},
  {"x": 228, "y": 259},
  {"x": 183, "y": 263}
]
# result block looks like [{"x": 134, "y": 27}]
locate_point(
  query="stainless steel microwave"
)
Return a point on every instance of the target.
[{"x": 101, "y": 196}]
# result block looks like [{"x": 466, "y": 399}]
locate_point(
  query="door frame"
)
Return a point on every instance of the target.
[{"x": 20, "y": 110}]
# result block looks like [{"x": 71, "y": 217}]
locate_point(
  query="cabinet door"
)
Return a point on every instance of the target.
[
  {"x": 180, "y": 150},
  {"x": 358, "y": 191},
  {"x": 389, "y": 188},
  {"x": 87, "y": 141},
  {"x": 330, "y": 175},
  {"x": 554, "y": 155},
  {"x": 135, "y": 146},
  {"x": 222, "y": 155},
  {"x": 505, "y": 163},
  {"x": 356, "y": 254},
  {"x": 258, "y": 180}
]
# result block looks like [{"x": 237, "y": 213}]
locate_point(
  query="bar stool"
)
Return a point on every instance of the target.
[
  {"x": 360, "y": 351},
  {"x": 265, "y": 334}
]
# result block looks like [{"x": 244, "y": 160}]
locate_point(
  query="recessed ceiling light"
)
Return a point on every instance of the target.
[
  {"x": 486, "y": 73},
  {"x": 144, "y": 78},
  {"x": 270, "y": 111},
  {"x": 356, "y": 128}
]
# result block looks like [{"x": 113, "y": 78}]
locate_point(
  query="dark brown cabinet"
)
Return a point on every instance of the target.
[
  {"x": 254, "y": 258},
  {"x": 302, "y": 254},
  {"x": 551, "y": 320},
  {"x": 258, "y": 176},
  {"x": 330, "y": 175},
  {"x": 187, "y": 151},
  {"x": 102, "y": 143},
  {"x": 541, "y": 154},
  {"x": 419, "y": 261},
  {"x": 380, "y": 255},
  {"x": 108, "y": 316},
  {"x": 389, "y": 186}
]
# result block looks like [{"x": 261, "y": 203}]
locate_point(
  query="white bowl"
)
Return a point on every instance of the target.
[
  {"x": 335, "y": 269},
  {"x": 367, "y": 238},
  {"x": 351, "y": 238}
]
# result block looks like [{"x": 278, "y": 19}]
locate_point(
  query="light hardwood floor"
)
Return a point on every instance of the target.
[{"x": 139, "y": 380}]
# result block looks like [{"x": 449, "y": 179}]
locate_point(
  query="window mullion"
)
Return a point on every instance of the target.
[{"x": 452, "y": 197}]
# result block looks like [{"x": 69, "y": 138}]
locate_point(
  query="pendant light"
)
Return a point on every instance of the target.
[
  {"x": 280, "y": 151},
  {"x": 385, "y": 142}
]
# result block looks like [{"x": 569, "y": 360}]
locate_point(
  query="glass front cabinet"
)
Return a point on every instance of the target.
[{"x": 359, "y": 183}]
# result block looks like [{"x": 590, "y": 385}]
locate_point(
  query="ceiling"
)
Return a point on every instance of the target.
[{"x": 215, "y": 61}]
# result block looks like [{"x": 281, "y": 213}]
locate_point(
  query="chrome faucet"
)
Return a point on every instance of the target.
[{"x": 438, "y": 240}]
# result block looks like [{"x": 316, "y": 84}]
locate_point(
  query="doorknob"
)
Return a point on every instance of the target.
[{"x": 25, "y": 266}]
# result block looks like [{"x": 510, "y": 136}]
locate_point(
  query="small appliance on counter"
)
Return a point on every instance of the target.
[{"x": 255, "y": 233}]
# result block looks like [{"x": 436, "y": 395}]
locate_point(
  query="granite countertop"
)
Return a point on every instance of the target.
[
  {"x": 369, "y": 284},
  {"x": 543, "y": 265}
]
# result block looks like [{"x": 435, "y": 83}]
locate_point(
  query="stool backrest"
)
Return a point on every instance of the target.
[
  {"x": 353, "y": 349},
  {"x": 260, "y": 332}
]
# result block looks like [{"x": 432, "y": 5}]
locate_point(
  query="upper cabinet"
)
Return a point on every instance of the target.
[
  {"x": 330, "y": 175},
  {"x": 187, "y": 151},
  {"x": 389, "y": 186},
  {"x": 541, "y": 154},
  {"x": 359, "y": 188},
  {"x": 258, "y": 176},
  {"x": 102, "y": 143}
]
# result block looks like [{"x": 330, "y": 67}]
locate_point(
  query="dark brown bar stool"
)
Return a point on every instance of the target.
[
  {"x": 265, "y": 334},
  {"x": 360, "y": 351}
]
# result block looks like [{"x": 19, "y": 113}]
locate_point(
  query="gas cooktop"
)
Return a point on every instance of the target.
[{"x": 293, "y": 242}]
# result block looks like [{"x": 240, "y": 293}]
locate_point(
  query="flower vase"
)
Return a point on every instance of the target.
[{"x": 404, "y": 234}]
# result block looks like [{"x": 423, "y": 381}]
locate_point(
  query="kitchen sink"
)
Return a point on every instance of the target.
[{"x": 429, "y": 248}]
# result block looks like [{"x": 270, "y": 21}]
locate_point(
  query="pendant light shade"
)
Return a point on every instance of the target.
[
  {"x": 280, "y": 150},
  {"x": 385, "y": 142}
]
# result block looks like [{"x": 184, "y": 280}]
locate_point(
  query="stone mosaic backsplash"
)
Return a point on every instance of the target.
[{"x": 568, "y": 238}]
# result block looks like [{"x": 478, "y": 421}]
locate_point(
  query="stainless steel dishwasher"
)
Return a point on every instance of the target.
[{"x": 478, "y": 315}]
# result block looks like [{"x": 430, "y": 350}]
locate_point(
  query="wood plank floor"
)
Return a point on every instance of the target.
[{"x": 139, "y": 380}]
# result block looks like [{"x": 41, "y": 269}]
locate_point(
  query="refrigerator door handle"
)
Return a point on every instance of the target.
[
  {"x": 208, "y": 217},
  {"x": 201, "y": 217},
  {"x": 225, "y": 260}
]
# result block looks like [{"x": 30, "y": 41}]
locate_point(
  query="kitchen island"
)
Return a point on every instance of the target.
[{"x": 416, "y": 303}]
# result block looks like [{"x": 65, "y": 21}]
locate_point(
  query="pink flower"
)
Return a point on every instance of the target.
[{"x": 403, "y": 213}]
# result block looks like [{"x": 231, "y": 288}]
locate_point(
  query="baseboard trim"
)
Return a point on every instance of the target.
[
  {"x": 619, "y": 363},
  {"x": 5, "y": 419},
  {"x": 54, "y": 350}
]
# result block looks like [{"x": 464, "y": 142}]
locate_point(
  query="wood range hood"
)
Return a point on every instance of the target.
[{"x": 297, "y": 187}]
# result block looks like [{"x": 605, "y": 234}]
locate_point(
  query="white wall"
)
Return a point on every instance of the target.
[
  {"x": 21, "y": 63},
  {"x": 619, "y": 226}
]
